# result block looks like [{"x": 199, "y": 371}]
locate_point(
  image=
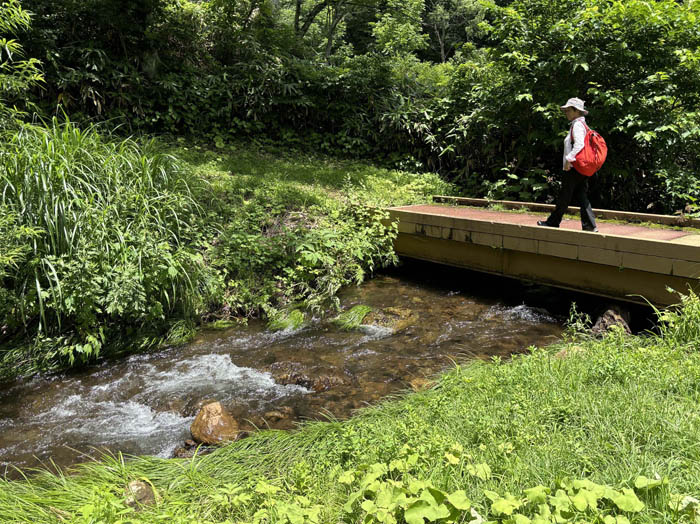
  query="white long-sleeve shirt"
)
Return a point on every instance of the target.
[{"x": 578, "y": 126}]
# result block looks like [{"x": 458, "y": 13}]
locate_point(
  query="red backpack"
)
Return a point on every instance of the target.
[{"x": 590, "y": 159}]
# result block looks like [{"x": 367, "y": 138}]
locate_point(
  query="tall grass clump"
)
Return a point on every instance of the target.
[
  {"x": 102, "y": 231},
  {"x": 680, "y": 326}
]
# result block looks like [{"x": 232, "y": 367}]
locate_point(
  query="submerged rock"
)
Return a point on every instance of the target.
[
  {"x": 614, "y": 316},
  {"x": 214, "y": 425},
  {"x": 184, "y": 453},
  {"x": 394, "y": 318},
  {"x": 314, "y": 378},
  {"x": 419, "y": 383},
  {"x": 190, "y": 449},
  {"x": 282, "y": 413},
  {"x": 139, "y": 493}
]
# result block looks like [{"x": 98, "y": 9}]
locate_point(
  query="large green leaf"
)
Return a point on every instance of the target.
[
  {"x": 627, "y": 501},
  {"x": 459, "y": 500},
  {"x": 505, "y": 505},
  {"x": 422, "y": 509},
  {"x": 537, "y": 495}
]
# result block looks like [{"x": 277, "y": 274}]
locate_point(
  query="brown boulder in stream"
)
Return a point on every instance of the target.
[
  {"x": 394, "y": 318},
  {"x": 314, "y": 378},
  {"x": 214, "y": 425}
]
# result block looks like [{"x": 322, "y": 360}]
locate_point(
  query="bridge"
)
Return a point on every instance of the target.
[{"x": 634, "y": 257}]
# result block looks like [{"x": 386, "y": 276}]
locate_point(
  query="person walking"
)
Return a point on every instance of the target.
[{"x": 574, "y": 184}]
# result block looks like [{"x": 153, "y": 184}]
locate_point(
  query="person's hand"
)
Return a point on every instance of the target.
[{"x": 567, "y": 166}]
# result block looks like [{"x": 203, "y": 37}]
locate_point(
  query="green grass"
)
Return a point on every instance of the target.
[
  {"x": 624, "y": 407},
  {"x": 110, "y": 244},
  {"x": 245, "y": 166}
]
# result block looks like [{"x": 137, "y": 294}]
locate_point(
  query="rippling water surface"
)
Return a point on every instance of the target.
[{"x": 145, "y": 404}]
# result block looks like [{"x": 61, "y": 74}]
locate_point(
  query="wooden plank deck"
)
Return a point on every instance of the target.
[{"x": 626, "y": 261}]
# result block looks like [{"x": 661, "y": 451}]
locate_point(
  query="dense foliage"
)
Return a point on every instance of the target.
[
  {"x": 464, "y": 87},
  {"x": 607, "y": 434},
  {"x": 17, "y": 74}
]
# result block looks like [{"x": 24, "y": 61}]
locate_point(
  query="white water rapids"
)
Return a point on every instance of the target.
[{"x": 138, "y": 410}]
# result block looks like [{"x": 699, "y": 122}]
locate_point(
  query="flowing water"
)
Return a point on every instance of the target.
[{"x": 145, "y": 404}]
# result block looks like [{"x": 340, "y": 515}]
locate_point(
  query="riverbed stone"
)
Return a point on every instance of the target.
[
  {"x": 420, "y": 383},
  {"x": 281, "y": 413},
  {"x": 184, "y": 453},
  {"x": 190, "y": 449},
  {"x": 139, "y": 493},
  {"x": 571, "y": 350},
  {"x": 214, "y": 425},
  {"x": 395, "y": 318},
  {"x": 315, "y": 378}
]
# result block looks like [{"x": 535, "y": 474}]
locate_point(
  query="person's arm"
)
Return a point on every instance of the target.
[
  {"x": 579, "y": 132},
  {"x": 567, "y": 149}
]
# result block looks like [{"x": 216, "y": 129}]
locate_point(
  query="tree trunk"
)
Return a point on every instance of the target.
[
  {"x": 311, "y": 16},
  {"x": 331, "y": 29},
  {"x": 297, "y": 16}
]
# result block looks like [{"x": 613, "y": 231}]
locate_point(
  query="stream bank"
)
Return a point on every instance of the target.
[{"x": 145, "y": 404}]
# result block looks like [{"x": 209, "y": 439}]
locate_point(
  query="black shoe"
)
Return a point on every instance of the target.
[
  {"x": 544, "y": 223},
  {"x": 594, "y": 230}
]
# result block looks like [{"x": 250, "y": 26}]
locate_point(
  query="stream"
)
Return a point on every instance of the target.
[{"x": 144, "y": 404}]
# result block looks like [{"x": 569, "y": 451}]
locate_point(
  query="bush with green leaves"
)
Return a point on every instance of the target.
[
  {"x": 17, "y": 73},
  {"x": 284, "y": 244}
]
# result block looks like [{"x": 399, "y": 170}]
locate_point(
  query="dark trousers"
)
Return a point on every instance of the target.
[{"x": 575, "y": 185}]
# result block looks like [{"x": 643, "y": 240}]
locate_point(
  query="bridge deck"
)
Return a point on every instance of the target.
[{"x": 623, "y": 260}]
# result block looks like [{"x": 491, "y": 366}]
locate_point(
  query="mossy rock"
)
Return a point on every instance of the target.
[
  {"x": 286, "y": 320},
  {"x": 222, "y": 324},
  {"x": 352, "y": 318},
  {"x": 394, "y": 318}
]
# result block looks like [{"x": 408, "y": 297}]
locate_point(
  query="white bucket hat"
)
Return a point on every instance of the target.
[{"x": 576, "y": 103}]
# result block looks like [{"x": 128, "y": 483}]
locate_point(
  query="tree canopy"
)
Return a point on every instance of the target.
[{"x": 465, "y": 87}]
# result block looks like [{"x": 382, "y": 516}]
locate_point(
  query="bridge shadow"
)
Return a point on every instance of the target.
[{"x": 511, "y": 292}]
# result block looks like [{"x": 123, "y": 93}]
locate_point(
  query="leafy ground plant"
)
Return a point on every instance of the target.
[{"x": 353, "y": 317}]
